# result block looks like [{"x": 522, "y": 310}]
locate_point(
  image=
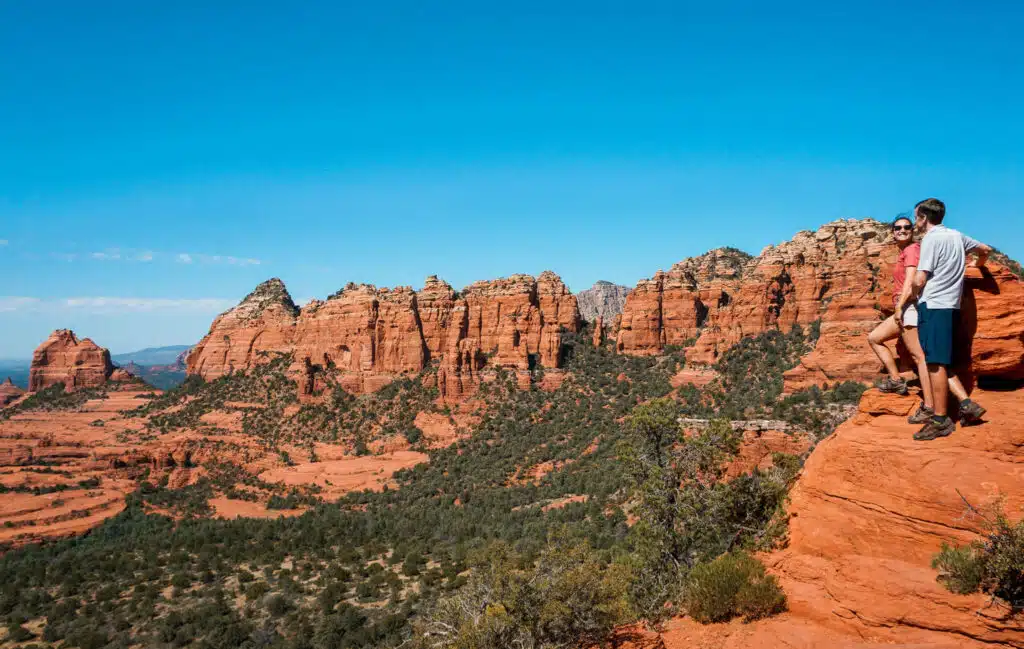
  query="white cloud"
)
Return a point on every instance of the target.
[
  {"x": 16, "y": 303},
  {"x": 218, "y": 259},
  {"x": 148, "y": 304},
  {"x": 4, "y": 242},
  {"x": 110, "y": 254},
  {"x": 131, "y": 255},
  {"x": 104, "y": 304}
]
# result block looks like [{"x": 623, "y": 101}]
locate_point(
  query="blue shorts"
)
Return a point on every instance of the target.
[{"x": 937, "y": 330}]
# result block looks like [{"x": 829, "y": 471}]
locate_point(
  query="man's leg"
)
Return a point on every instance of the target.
[
  {"x": 936, "y": 332},
  {"x": 940, "y": 388},
  {"x": 970, "y": 412}
]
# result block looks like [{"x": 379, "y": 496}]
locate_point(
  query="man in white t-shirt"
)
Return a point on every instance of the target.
[{"x": 938, "y": 285}]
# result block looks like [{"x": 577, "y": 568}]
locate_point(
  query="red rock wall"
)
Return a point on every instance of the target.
[
  {"x": 63, "y": 358},
  {"x": 365, "y": 337}
]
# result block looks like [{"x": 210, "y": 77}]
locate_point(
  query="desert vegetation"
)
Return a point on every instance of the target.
[
  {"x": 460, "y": 540},
  {"x": 994, "y": 564}
]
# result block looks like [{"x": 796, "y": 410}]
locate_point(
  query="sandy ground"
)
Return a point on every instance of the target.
[
  {"x": 228, "y": 508},
  {"x": 47, "y": 449},
  {"x": 340, "y": 476}
]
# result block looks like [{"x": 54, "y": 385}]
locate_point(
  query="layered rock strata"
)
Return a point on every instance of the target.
[
  {"x": 365, "y": 337},
  {"x": 63, "y": 358}
]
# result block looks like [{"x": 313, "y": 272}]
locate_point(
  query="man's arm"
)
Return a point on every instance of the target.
[
  {"x": 925, "y": 266},
  {"x": 920, "y": 279},
  {"x": 980, "y": 250}
]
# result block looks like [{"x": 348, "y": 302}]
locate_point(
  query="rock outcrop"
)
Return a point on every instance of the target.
[
  {"x": 9, "y": 392},
  {"x": 63, "y": 358},
  {"x": 364, "y": 337},
  {"x": 871, "y": 508},
  {"x": 602, "y": 300},
  {"x": 123, "y": 375},
  {"x": 263, "y": 322},
  {"x": 837, "y": 279},
  {"x": 695, "y": 297}
]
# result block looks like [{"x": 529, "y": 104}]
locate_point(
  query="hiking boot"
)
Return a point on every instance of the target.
[
  {"x": 892, "y": 386},
  {"x": 936, "y": 427},
  {"x": 923, "y": 414},
  {"x": 970, "y": 412}
]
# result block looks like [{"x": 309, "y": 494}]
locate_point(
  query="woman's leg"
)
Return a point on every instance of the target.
[
  {"x": 886, "y": 330},
  {"x": 913, "y": 343}
]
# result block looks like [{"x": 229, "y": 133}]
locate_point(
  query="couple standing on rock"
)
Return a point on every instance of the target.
[{"x": 928, "y": 284}]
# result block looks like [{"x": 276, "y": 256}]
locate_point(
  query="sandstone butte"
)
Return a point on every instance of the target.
[
  {"x": 869, "y": 510},
  {"x": 840, "y": 276},
  {"x": 63, "y": 358},
  {"x": 9, "y": 392},
  {"x": 365, "y": 337}
]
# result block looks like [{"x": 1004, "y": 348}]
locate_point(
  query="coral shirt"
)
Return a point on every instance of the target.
[{"x": 909, "y": 256}]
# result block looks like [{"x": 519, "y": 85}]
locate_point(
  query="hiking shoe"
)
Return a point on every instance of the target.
[
  {"x": 892, "y": 386},
  {"x": 923, "y": 414},
  {"x": 936, "y": 427},
  {"x": 970, "y": 412}
]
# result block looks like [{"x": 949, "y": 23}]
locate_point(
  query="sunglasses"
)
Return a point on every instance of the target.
[{"x": 902, "y": 228}]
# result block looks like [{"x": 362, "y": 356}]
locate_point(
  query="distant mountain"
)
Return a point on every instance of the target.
[
  {"x": 152, "y": 355},
  {"x": 604, "y": 299},
  {"x": 161, "y": 367}
]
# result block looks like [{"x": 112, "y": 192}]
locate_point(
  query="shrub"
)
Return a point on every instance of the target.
[
  {"x": 732, "y": 585},
  {"x": 256, "y": 590},
  {"x": 962, "y": 569},
  {"x": 569, "y": 598},
  {"x": 277, "y": 605},
  {"x": 413, "y": 435},
  {"x": 18, "y": 633},
  {"x": 993, "y": 564}
]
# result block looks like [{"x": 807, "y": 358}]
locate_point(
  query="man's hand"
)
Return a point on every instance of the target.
[
  {"x": 980, "y": 256},
  {"x": 898, "y": 316}
]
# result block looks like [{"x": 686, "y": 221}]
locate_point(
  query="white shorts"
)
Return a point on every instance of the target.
[{"x": 910, "y": 316}]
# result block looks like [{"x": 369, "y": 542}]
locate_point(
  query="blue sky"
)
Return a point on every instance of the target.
[{"x": 157, "y": 160}]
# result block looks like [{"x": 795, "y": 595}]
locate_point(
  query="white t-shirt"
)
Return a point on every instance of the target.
[{"x": 944, "y": 258}]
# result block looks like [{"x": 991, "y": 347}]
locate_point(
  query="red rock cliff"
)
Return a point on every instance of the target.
[
  {"x": 63, "y": 358},
  {"x": 365, "y": 337}
]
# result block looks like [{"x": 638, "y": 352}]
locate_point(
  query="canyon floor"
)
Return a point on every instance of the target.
[{"x": 65, "y": 471}]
